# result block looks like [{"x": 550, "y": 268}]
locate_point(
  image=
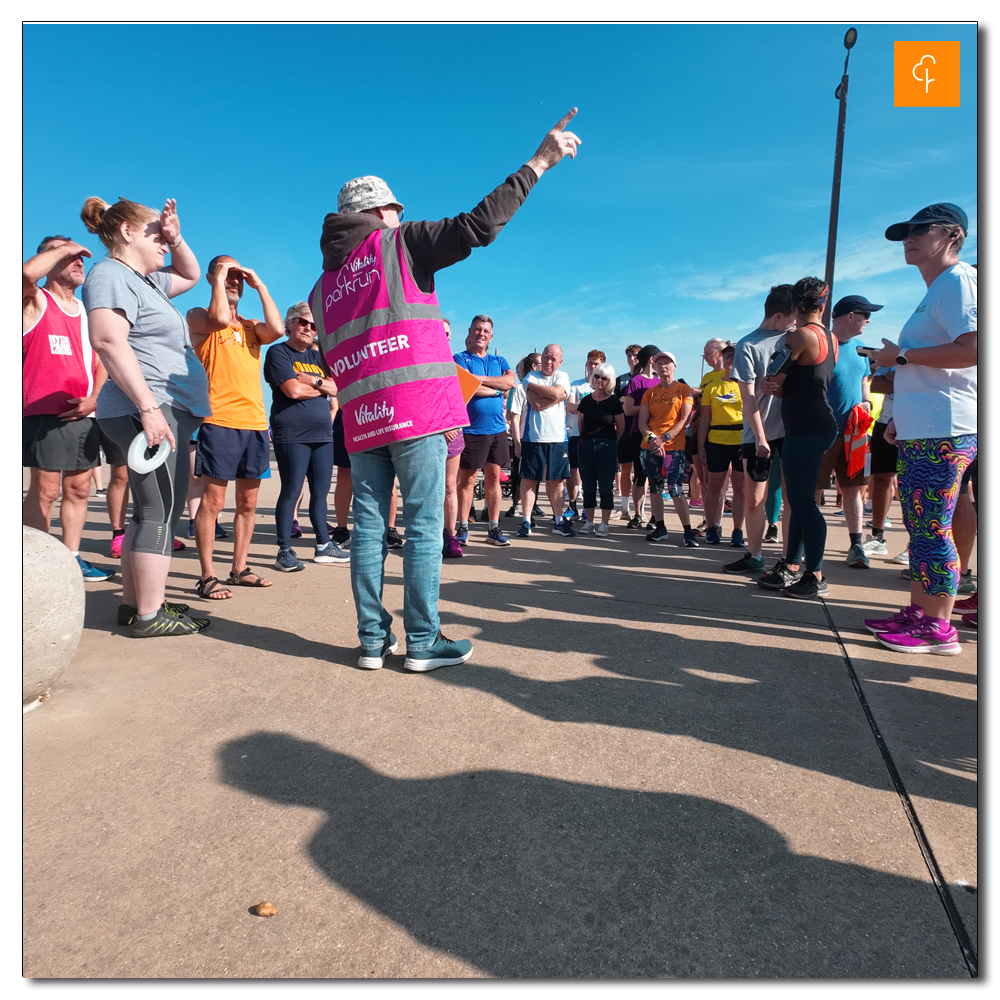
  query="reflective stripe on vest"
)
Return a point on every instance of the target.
[{"x": 384, "y": 342}]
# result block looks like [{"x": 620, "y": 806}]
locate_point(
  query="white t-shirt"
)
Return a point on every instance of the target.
[
  {"x": 549, "y": 425},
  {"x": 577, "y": 390},
  {"x": 938, "y": 402}
]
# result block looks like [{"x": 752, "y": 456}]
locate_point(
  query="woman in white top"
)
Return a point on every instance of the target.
[{"x": 934, "y": 423}]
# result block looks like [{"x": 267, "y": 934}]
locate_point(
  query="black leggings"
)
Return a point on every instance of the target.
[
  {"x": 598, "y": 464},
  {"x": 297, "y": 462},
  {"x": 157, "y": 496},
  {"x": 801, "y": 457}
]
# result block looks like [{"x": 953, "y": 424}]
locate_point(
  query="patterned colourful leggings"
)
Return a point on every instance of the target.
[{"x": 930, "y": 472}]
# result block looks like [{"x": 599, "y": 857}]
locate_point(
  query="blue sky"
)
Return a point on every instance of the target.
[{"x": 704, "y": 175}]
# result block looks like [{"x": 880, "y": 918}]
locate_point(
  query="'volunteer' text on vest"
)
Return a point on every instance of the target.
[{"x": 384, "y": 342}]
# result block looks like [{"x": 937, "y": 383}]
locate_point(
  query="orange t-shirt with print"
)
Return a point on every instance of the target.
[
  {"x": 665, "y": 403},
  {"x": 232, "y": 360}
]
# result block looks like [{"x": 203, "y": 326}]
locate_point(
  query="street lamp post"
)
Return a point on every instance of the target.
[{"x": 831, "y": 243}]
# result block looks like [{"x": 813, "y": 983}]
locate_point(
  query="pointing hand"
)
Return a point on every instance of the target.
[{"x": 556, "y": 144}]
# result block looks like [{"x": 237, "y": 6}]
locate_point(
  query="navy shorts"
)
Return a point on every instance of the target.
[
  {"x": 544, "y": 461},
  {"x": 884, "y": 455},
  {"x": 228, "y": 454},
  {"x": 341, "y": 457}
]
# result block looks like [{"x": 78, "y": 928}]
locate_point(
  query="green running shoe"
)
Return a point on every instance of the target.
[
  {"x": 127, "y": 612},
  {"x": 168, "y": 623}
]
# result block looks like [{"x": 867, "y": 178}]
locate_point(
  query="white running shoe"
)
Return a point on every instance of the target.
[
  {"x": 903, "y": 559},
  {"x": 874, "y": 546},
  {"x": 602, "y": 530}
]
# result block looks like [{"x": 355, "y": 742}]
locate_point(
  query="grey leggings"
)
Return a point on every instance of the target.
[{"x": 157, "y": 496}]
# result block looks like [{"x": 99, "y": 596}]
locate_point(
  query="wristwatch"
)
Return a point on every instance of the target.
[
  {"x": 318, "y": 383},
  {"x": 901, "y": 357}
]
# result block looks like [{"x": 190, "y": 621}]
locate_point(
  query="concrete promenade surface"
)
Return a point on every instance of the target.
[{"x": 648, "y": 768}]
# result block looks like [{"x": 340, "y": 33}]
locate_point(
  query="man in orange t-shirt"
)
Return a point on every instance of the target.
[
  {"x": 233, "y": 443},
  {"x": 662, "y": 415}
]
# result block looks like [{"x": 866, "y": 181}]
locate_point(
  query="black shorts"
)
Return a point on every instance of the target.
[
  {"x": 625, "y": 449},
  {"x": 228, "y": 454},
  {"x": 883, "y": 455},
  {"x": 341, "y": 458},
  {"x": 484, "y": 449},
  {"x": 690, "y": 447},
  {"x": 572, "y": 446},
  {"x": 638, "y": 472},
  {"x": 112, "y": 452},
  {"x": 60, "y": 445},
  {"x": 719, "y": 457}
]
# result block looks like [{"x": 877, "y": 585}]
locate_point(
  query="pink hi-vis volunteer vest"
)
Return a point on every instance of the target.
[{"x": 383, "y": 340}]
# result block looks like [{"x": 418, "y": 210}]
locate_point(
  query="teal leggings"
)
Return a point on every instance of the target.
[{"x": 772, "y": 505}]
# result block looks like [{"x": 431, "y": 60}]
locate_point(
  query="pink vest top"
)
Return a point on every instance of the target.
[
  {"x": 383, "y": 340},
  {"x": 57, "y": 362}
]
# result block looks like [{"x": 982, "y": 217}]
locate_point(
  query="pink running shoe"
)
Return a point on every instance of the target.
[
  {"x": 897, "y": 623},
  {"x": 926, "y": 635},
  {"x": 116, "y": 547},
  {"x": 178, "y": 545},
  {"x": 452, "y": 548}
]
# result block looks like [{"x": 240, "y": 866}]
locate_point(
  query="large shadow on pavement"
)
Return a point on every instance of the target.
[{"x": 524, "y": 876}]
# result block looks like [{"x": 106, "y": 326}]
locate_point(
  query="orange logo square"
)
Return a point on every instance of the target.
[{"x": 925, "y": 74}]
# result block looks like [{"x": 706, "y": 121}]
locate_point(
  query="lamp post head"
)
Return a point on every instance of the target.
[{"x": 850, "y": 38}]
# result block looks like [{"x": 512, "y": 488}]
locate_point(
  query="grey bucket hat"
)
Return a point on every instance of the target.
[{"x": 366, "y": 192}]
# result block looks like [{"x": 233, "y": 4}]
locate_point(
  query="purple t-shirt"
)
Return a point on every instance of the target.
[{"x": 635, "y": 389}]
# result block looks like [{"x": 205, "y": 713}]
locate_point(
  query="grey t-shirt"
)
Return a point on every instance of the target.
[
  {"x": 753, "y": 355},
  {"x": 158, "y": 335}
]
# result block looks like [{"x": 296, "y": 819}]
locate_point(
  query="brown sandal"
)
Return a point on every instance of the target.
[
  {"x": 211, "y": 589},
  {"x": 240, "y": 579}
]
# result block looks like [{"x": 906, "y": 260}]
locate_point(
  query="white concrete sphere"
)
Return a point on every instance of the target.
[{"x": 52, "y": 612}]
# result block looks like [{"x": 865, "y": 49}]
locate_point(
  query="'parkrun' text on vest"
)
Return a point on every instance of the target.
[
  {"x": 347, "y": 285},
  {"x": 377, "y": 347}
]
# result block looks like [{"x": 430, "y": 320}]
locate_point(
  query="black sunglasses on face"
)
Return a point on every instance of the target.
[
  {"x": 305, "y": 322},
  {"x": 866, "y": 315},
  {"x": 921, "y": 230}
]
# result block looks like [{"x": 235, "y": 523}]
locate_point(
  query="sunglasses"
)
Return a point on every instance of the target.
[
  {"x": 601, "y": 378},
  {"x": 858, "y": 313},
  {"x": 921, "y": 230},
  {"x": 305, "y": 322}
]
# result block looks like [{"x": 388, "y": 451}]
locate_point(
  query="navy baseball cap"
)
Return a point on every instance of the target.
[
  {"x": 647, "y": 354},
  {"x": 854, "y": 303},
  {"x": 944, "y": 212}
]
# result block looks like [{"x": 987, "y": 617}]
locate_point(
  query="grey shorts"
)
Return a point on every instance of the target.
[{"x": 59, "y": 445}]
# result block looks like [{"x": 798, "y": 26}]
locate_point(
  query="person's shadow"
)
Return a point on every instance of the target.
[{"x": 525, "y": 876}]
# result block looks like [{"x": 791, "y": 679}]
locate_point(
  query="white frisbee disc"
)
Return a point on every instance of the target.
[{"x": 137, "y": 460}]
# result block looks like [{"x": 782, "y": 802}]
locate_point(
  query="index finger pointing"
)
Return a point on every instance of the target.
[{"x": 564, "y": 121}]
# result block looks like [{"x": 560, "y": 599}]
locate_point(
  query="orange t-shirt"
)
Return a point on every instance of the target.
[
  {"x": 665, "y": 403},
  {"x": 232, "y": 360}
]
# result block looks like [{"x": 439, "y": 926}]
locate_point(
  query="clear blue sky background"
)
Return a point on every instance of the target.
[{"x": 704, "y": 175}]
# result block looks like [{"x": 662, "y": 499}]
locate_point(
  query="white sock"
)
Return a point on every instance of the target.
[
  {"x": 74, "y": 554},
  {"x": 149, "y": 617}
]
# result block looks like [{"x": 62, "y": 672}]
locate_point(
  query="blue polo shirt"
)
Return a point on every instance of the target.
[
  {"x": 844, "y": 391},
  {"x": 486, "y": 414}
]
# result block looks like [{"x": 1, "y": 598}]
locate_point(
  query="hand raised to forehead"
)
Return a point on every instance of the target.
[{"x": 170, "y": 224}]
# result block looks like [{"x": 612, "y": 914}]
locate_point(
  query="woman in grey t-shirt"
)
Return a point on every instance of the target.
[{"x": 155, "y": 386}]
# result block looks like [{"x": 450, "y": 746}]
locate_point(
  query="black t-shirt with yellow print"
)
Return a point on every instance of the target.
[{"x": 296, "y": 421}]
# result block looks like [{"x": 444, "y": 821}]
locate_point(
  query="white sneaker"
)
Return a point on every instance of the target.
[
  {"x": 875, "y": 546},
  {"x": 587, "y": 528},
  {"x": 602, "y": 530},
  {"x": 903, "y": 559}
]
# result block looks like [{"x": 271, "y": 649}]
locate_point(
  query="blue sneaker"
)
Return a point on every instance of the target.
[
  {"x": 563, "y": 528},
  {"x": 190, "y": 529},
  {"x": 496, "y": 537},
  {"x": 713, "y": 536},
  {"x": 331, "y": 553},
  {"x": 372, "y": 659},
  {"x": 287, "y": 561},
  {"x": 524, "y": 530},
  {"x": 462, "y": 537},
  {"x": 92, "y": 573},
  {"x": 444, "y": 652},
  {"x": 737, "y": 541}
]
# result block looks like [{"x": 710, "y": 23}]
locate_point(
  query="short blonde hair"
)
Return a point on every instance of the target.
[{"x": 603, "y": 371}]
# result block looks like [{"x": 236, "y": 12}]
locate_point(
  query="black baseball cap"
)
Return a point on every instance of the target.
[
  {"x": 854, "y": 303},
  {"x": 944, "y": 212},
  {"x": 647, "y": 354}
]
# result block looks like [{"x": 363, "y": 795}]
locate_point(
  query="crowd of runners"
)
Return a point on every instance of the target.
[{"x": 364, "y": 378}]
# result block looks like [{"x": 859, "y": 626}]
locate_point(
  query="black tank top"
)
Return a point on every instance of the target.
[{"x": 805, "y": 408}]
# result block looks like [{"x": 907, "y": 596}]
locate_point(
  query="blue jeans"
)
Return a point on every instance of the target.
[{"x": 420, "y": 467}]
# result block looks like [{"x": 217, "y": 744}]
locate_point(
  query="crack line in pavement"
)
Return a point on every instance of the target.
[{"x": 937, "y": 877}]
